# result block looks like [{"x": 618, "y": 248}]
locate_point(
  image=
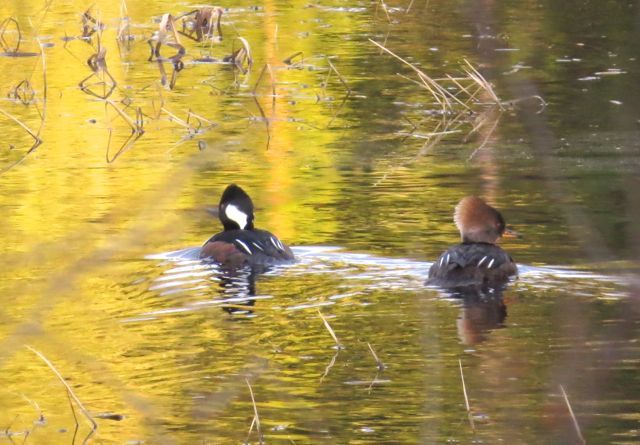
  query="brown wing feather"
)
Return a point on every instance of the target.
[{"x": 223, "y": 253}]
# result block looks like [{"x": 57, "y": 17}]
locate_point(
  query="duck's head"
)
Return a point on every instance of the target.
[
  {"x": 235, "y": 209},
  {"x": 478, "y": 222}
]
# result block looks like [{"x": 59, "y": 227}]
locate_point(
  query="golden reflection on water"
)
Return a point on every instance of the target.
[{"x": 139, "y": 339}]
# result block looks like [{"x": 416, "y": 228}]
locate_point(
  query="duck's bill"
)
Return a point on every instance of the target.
[{"x": 510, "y": 234}]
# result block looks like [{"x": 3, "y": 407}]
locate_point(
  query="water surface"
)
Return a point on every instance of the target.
[{"x": 100, "y": 271}]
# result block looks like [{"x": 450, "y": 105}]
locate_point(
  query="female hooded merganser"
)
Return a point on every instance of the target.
[
  {"x": 240, "y": 243},
  {"x": 477, "y": 262}
]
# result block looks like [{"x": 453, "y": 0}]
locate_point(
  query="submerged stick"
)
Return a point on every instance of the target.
[
  {"x": 75, "y": 398},
  {"x": 466, "y": 398},
  {"x": 573, "y": 416}
]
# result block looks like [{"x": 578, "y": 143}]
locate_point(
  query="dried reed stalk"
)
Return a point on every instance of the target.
[
  {"x": 576, "y": 425},
  {"x": 466, "y": 398},
  {"x": 330, "y": 329},
  {"x": 70, "y": 392}
]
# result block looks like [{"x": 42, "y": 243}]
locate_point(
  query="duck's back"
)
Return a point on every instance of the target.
[
  {"x": 480, "y": 265},
  {"x": 240, "y": 247}
]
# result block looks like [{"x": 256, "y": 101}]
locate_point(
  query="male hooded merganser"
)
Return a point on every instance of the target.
[
  {"x": 477, "y": 262},
  {"x": 240, "y": 243}
]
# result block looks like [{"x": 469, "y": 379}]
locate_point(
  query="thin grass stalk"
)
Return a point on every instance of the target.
[
  {"x": 466, "y": 398},
  {"x": 426, "y": 79},
  {"x": 479, "y": 78},
  {"x": 576, "y": 425}
]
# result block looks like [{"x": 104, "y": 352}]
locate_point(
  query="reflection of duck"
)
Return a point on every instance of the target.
[
  {"x": 238, "y": 288},
  {"x": 240, "y": 243},
  {"x": 478, "y": 316},
  {"x": 477, "y": 262}
]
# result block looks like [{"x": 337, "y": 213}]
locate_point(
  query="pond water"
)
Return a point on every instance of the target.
[{"x": 352, "y": 161}]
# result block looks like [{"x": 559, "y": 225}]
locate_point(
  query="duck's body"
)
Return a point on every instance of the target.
[
  {"x": 471, "y": 265},
  {"x": 477, "y": 262},
  {"x": 240, "y": 243}
]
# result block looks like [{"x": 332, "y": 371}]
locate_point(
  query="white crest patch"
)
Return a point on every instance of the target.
[{"x": 236, "y": 215}]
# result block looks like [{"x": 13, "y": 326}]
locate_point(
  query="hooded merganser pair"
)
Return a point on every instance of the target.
[
  {"x": 477, "y": 263},
  {"x": 240, "y": 243}
]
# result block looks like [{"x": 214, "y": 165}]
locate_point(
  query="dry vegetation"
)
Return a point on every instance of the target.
[
  {"x": 464, "y": 98},
  {"x": 203, "y": 26},
  {"x": 199, "y": 25}
]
